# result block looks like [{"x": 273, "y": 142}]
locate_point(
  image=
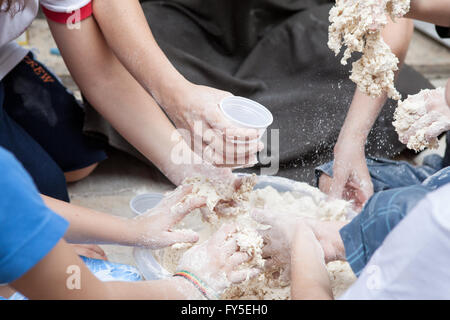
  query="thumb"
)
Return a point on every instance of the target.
[{"x": 182, "y": 236}]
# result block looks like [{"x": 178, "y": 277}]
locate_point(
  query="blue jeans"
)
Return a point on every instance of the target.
[
  {"x": 41, "y": 124},
  {"x": 398, "y": 187}
]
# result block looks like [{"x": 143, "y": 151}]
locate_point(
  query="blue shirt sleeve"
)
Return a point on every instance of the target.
[{"x": 28, "y": 229}]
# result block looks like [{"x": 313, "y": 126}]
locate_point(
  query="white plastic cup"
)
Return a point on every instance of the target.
[
  {"x": 144, "y": 202},
  {"x": 246, "y": 113}
]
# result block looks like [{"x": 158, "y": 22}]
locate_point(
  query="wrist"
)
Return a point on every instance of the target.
[
  {"x": 199, "y": 289},
  {"x": 171, "y": 92}
]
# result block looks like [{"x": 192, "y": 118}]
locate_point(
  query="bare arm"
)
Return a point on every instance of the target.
[
  {"x": 128, "y": 34},
  {"x": 84, "y": 225},
  {"x": 152, "y": 230},
  {"x": 350, "y": 166},
  {"x": 309, "y": 276},
  {"x": 434, "y": 11},
  {"x": 54, "y": 277},
  {"x": 48, "y": 280},
  {"x": 113, "y": 91}
]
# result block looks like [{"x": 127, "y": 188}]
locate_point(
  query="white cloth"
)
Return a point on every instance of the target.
[
  {"x": 12, "y": 26},
  {"x": 414, "y": 260}
]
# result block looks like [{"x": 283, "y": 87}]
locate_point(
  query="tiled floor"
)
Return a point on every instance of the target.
[{"x": 121, "y": 177}]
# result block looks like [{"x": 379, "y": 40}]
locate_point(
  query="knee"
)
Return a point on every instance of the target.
[{"x": 80, "y": 174}]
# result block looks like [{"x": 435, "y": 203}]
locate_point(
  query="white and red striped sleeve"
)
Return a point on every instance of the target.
[{"x": 62, "y": 11}]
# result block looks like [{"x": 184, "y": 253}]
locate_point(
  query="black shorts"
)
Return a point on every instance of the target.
[{"x": 41, "y": 123}]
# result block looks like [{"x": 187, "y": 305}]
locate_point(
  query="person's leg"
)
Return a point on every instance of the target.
[
  {"x": 41, "y": 105},
  {"x": 413, "y": 261},
  {"x": 367, "y": 231},
  {"x": 386, "y": 174},
  {"x": 77, "y": 175},
  {"x": 46, "y": 174}
]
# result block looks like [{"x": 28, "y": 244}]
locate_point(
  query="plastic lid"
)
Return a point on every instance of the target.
[
  {"x": 144, "y": 202},
  {"x": 246, "y": 113}
]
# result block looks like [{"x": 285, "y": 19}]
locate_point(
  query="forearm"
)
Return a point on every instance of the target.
[
  {"x": 434, "y": 11},
  {"x": 309, "y": 276},
  {"x": 56, "y": 277},
  {"x": 128, "y": 34},
  {"x": 364, "y": 110},
  {"x": 84, "y": 225},
  {"x": 112, "y": 90}
]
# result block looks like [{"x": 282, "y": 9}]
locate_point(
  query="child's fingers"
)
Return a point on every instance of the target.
[
  {"x": 238, "y": 258},
  {"x": 175, "y": 196},
  {"x": 182, "y": 236},
  {"x": 221, "y": 235},
  {"x": 270, "y": 264},
  {"x": 181, "y": 209},
  {"x": 90, "y": 251},
  {"x": 242, "y": 275}
]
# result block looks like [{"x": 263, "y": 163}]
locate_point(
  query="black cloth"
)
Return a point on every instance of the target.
[
  {"x": 275, "y": 52},
  {"x": 443, "y": 32}
]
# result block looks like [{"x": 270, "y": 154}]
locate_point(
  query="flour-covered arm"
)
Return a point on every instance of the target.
[{"x": 351, "y": 178}]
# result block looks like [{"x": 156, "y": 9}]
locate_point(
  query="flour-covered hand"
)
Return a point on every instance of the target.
[
  {"x": 351, "y": 179},
  {"x": 278, "y": 238},
  {"x": 154, "y": 229},
  {"x": 217, "y": 262},
  {"x": 196, "y": 110}
]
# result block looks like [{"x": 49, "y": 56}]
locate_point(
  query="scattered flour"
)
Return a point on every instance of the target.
[
  {"x": 408, "y": 116},
  {"x": 357, "y": 25},
  {"x": 305, "y": 202}
]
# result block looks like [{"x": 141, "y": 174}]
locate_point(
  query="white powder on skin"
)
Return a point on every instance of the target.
[
  {"x": 306, "y": 202},
  {"x": 410, "y": 115},
  {"x": 357, "y": 25}
]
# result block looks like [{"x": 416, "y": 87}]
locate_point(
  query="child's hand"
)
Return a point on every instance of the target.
[
  {"x": 434, "y": 118},
  {"x": 351, "y": 180},
  {"x": 439, "y": 114},
  {"x": 376, "y": 13},
  {"x": 197, "y": 110},
  {"x": 90, "y": 251},
  {"x": 217, "y": 262},
  {"x": 278, "y": 238},
  {"x": 154, "y": 228}
]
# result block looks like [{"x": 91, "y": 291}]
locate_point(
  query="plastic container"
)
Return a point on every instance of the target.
[
  {"x": 144, "y": 202},
  {"x": 246, "y": 113}
]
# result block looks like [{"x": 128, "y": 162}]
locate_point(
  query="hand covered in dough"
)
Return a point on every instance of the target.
[
  {"x": 278, "y": 238},
  {"x": 376, "y": 12},
  {"x": 351, "y": 180},
  {"x": 433, "y": 114},
  {"x": 216, "y": 262},
  {"x": 197, "y": 111},
  {"x": 154, "y": 228}
]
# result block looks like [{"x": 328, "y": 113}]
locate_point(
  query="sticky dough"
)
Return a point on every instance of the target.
[
  {"x": 408, "y": 113},
  {"x": 304, "y": 202},
  {"x": 351, "y": 23}
]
